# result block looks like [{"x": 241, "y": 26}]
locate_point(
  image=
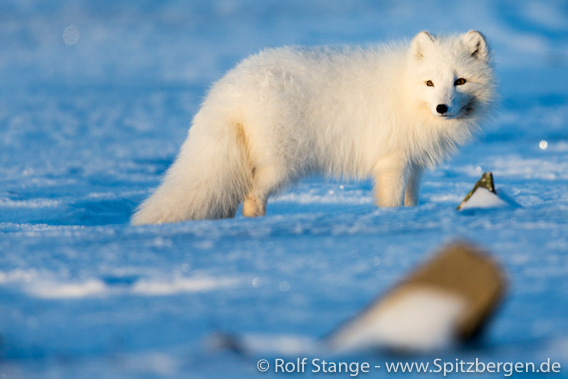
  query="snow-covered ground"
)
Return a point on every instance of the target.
[{"x": 96, "y": 98}]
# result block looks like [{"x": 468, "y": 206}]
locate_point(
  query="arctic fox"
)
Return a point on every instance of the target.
[{"x": 385, "y": 112}]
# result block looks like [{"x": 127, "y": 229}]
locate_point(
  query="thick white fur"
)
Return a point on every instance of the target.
[{"x": 346, "y": 112}]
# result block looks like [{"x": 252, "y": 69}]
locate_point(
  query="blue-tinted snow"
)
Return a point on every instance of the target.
[{"x": 91, "y": 116}]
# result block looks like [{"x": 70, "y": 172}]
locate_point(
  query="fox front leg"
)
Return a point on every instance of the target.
[
  {"x": 413, "y": 185},
  {"x": 390, "y": 182}
]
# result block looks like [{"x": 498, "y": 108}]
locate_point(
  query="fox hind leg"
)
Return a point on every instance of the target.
[
  {"x": 266, "y": 181},
  {"x": 254, "y": 206}
]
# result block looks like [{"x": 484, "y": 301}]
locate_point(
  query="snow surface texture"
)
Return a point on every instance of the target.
[{"x": 96, "y": 98}]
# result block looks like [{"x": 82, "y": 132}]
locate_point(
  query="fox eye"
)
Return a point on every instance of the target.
[
  {"x": 430, "y": 83},
  {"x": 459, "y": 82}
]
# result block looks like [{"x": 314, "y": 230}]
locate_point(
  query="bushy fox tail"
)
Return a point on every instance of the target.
[{"x": 209, "y": 179}]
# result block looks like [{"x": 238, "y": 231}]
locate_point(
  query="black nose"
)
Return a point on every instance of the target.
[{"x": 442, "y": 108}]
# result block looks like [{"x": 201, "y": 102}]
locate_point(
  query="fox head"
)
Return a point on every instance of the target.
[{"x": 452, "y": 76}]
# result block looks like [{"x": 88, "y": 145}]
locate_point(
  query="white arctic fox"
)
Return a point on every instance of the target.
[{"x": 385, "y": 112}]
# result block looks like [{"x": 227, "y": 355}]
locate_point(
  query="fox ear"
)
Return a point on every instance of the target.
[
  {"x": 476, "y": 45},
  {"x": 421, "y": 42}
]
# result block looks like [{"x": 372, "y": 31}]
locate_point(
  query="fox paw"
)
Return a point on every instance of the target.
[{"x": 252, "y": 207}]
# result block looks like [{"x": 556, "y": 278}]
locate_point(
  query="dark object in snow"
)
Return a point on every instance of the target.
[
  {"x": 226, "y": 341},
  {"x": 484, "y": 196},
  {"x": 468, "y": 271},
  {"x": 447, "y": 300},
  {"x": 486, "y": 182}
]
